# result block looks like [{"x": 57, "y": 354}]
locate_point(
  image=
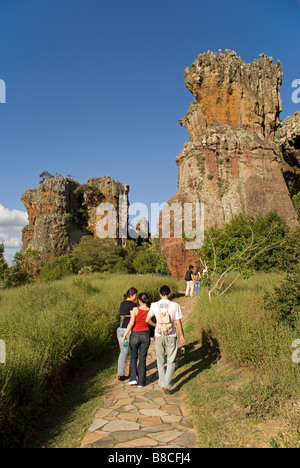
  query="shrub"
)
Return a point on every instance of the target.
[
  {"x": 57, "y": 268},
  {"x": 94, "y": 251},
  {"x": 284, "y": 303},
  {"x": 223, "y": 246}
]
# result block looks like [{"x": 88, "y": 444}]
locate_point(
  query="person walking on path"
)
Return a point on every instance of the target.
[
  {"x": 189, "y": 282},
  {"x": 167, "y": 314},
  {"x": 126, "y": 307},
  {"x": 197, "y": 279},
  {"x": 139, "y": 341}
]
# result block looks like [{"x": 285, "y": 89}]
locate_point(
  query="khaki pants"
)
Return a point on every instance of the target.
[
  {"x": 166, "y": 351},
  {"x": 189, "y": 288}
]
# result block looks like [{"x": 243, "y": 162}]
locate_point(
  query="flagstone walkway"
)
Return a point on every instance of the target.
[{"x": 143, "y": 417}]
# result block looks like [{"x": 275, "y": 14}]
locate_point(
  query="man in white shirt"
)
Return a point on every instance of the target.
[{"x": 166, "y": 345}]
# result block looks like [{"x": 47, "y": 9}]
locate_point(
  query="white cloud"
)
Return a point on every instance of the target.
[
  {"x": 11, "y": 224},
  {"x": 12, "y": 220},
  {"x": 10, "y": 242}
]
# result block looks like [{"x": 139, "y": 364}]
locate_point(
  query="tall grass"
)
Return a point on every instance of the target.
[
  {"x": 49, "y": 329},
  {"x": 248, "y": 335}
]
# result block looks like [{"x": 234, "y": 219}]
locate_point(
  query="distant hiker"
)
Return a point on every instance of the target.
[
  {"x": 125, "y": 308},
  {"x": 139, "y": 341},
  {"x": 167, "y": 314},
  {"x": 189, "y": 282},
  {"x": 197, "y": 281}
]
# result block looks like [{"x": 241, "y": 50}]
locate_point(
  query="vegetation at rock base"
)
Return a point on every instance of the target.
[
  {"x": 91, "y": 255},
  {"x": 245, "y": 246}
]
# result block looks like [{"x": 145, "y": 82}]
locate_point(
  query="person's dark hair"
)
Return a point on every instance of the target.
[
  {"x": 143, "y": 297},
  {"x": 191, "y": 267},
  {"x": 130, "y": 292},
  {"x": 165, "y": 290}
]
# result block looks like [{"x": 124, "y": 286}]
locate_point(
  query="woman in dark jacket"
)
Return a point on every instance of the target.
[{"x": 125, "y": 308}]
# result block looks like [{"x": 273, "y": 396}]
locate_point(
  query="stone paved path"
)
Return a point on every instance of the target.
[{"x": 143, "y": 417}]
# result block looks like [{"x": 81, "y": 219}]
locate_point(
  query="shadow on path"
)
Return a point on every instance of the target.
[{"x": 198, "y": 357}]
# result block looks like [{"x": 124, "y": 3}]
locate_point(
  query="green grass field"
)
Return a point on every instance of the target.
[
  {"x": 50, "y": 330},
  {"x": 255, "y": 384}
]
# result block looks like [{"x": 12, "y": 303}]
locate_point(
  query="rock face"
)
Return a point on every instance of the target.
[
  {"x": 235, "y": 160},
  {"x": 288, "y": 138},
  {"x": 61, "y": 211},
  {"x": 234, "y": 93}
]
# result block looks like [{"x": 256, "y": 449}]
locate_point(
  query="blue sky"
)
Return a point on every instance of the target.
[{"x": 96, "y": 87}]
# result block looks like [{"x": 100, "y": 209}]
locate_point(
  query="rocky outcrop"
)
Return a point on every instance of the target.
[
  {"x": 234, "y": 162},
  {"x": 105, "y": 190},
  {"x": 234, "y": 93},
  {"x": 288, "y": 138},
  {"x": 61, "y": 211}
]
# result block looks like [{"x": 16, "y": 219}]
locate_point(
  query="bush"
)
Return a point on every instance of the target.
[
  {"x": 3, "y": 266},
  {"x": 284, "y": 303},
  {"x": 270, "y": 249},
  {"x": 92, "y": 251},
  {"x": 105, "y": 255},
  {"x": 57, "y": 268}
]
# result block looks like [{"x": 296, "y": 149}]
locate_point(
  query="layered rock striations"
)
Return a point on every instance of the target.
[
  {"x": 235, "y": 160},
  {"x": 288, "y": 138},
  {"x": 61, "y": 212},
  {"x": 234, "y": 93}
]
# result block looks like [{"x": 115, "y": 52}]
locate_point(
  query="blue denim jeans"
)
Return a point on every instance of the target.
[
  {"x": 197, "y": 287},
  {"x": 139, "y": 345},
  {"x": 123, "y": 351}
]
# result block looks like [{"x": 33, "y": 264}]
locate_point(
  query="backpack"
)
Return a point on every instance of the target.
[
  {"x": 188, "y": 275},
  {"x": 164, "y": 325}
]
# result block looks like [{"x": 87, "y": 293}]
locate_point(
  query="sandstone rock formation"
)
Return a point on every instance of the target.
[
  {"x": 61, "y": 211},
  {"x": 288, "y": 138},
  {"x": 234, "y": 162}
]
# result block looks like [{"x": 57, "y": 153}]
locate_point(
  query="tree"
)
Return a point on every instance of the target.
[
  {"x": 242, "y": 246},
  {"x": 3, "y": 265},
  {"x": 92, "y": 251},
  {"x": 58, "y": 267},
  {"x": 45, "y": 175}
]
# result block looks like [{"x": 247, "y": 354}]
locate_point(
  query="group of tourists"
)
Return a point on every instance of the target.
[{"x": 136, "y": 324}]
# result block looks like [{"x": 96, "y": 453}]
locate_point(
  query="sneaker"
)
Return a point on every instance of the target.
[
  {"x": 121, "y": 378},
  {"x": 141, "y": 386},
  {"x": 167, "y": 391},
  {"x": 133, "y": 382}
]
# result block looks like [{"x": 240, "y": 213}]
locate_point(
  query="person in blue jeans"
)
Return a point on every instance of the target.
[
  {"x": 126, "y": 307},
  {"x": 197, "y": 280},
  {"x": 139, "y": 341}
]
